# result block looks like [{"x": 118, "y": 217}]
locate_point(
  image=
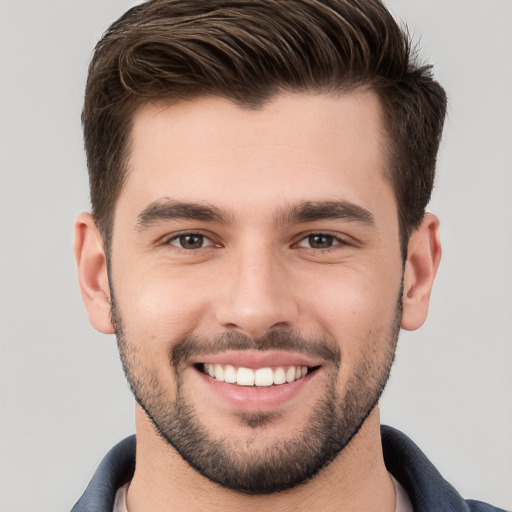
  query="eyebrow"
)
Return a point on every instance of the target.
[
  {"x": 305, "y": 211},
  {"x": 168, "y": 209},
  {"x": 310, "y": 211}
]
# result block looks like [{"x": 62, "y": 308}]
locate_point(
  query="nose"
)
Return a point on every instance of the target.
[{"x": 257, "y": 296}]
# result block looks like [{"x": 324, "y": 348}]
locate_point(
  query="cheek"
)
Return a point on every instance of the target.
[
  {"x": 157, "y": 312},
  {"x": 356, "y": 309}
]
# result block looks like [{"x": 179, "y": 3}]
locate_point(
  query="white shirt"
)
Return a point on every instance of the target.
[{"x": 403, "y": 503}]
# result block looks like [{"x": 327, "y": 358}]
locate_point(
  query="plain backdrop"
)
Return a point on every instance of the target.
[{"x": 64, "y": 400}]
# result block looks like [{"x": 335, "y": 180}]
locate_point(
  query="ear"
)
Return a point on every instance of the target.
[
  {"x": 92, "y": 273},
  {"x": 424, "y": 255}
]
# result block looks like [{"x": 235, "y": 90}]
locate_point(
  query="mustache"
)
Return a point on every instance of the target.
[{"x": 195, "y": 345}]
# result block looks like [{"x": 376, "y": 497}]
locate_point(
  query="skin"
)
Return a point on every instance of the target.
[{"x": 258, "y": 273}]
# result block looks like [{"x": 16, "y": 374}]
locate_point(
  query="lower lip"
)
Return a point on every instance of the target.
[{"x": 251, "y": 398}]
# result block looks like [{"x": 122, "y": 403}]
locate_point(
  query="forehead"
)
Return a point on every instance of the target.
[{"x": 297, "y": 147}]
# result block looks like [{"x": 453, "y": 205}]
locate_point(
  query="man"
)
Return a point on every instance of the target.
[{"x": 259, "y": 175}]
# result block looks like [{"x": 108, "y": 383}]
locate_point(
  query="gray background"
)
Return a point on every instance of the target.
[{"x": 64, "y": 401}]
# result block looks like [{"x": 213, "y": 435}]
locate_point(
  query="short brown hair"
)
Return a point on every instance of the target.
[{"x": 248, "y": 51}]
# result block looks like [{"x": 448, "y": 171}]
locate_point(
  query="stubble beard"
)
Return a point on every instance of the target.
[{"x": 283, "y": 463}]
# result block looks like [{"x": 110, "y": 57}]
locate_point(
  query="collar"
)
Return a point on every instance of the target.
[{"x": 427, "y": 489}]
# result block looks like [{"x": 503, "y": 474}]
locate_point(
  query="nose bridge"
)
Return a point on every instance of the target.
[{"x": 258, "y": 296}]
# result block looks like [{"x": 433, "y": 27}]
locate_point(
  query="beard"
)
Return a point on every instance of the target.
[{"x": 282, "y": 463}]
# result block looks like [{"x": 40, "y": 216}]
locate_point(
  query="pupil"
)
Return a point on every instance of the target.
[
  {"x": 191, "y": 241},
  {"x": 320, "y": 241}
]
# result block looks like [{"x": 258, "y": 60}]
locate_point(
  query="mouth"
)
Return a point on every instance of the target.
[
  {"x": 253, "y": 381},
  {"x": 263, "y": 377}
]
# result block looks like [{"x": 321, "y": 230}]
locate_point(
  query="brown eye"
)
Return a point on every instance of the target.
[
  {"x": 190, "y": 241},
  {"x": 323, "y": 241},
  {"x": 320, "y": 241}
]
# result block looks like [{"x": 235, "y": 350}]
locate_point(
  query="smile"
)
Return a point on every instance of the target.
[
  {"x": 260, "y": 377},
  {"x": 250, "y": 380}
]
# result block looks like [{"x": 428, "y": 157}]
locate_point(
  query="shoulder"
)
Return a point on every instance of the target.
[
  {"x": 480, "y": 506},
  {"x": 427, "y": 489},
  {"x": 114, "y": 471}
]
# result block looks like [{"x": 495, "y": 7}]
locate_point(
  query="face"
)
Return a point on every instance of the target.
[{"x": 256, "y": 281}]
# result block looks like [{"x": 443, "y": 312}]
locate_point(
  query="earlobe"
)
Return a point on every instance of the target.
[
  {"x": 92, "y": 273},
  {"x": 424, "y": 255}
]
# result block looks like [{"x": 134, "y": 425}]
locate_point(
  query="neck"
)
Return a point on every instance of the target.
[{"x": 357, "y": 480}]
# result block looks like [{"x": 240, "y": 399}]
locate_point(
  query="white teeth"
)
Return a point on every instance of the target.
[
  {"x": 229, "y": 374},
  {"x": 262, "y": 377},
  {"x": 219, "y": 372},
  {"x": 290, "y": 374},
  {"x": 245, "y": 377},
  {"x": 279, "y": 376}
]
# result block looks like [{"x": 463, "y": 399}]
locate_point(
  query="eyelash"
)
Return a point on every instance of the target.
[
  {"x": 336, "y": 241},
  {"x": 335, "y": 238},
  {"x": 177, "y": 236}
]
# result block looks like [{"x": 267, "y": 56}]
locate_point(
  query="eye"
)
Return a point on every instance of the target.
[
  {"x": 190, "y": 241},
  {"x": 319, "y": 241}
]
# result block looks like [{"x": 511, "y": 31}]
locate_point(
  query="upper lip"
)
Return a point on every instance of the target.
[{"x": 258, "y": 359}]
